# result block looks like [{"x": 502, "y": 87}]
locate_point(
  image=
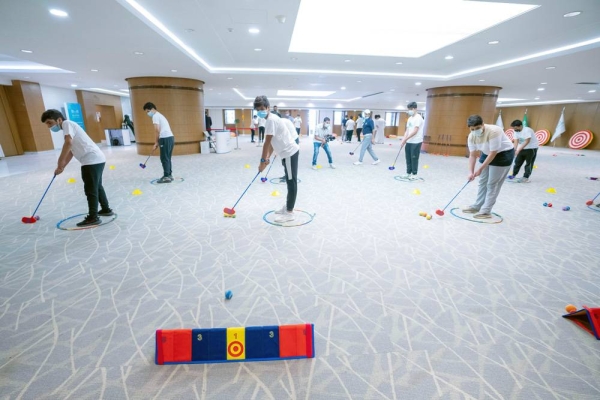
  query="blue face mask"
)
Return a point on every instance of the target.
[
  {"x": 55, "y": 128},
  {"x": 150, "y": 114},
  {"x": 262, "y": 114}
]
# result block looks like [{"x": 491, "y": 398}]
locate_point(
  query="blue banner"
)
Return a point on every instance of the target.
[{"x": 74, "y": 114}]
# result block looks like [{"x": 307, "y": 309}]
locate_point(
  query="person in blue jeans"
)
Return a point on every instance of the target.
[
  {"x": 320, "y": 140},
  {"x": 368, "y": 140}
]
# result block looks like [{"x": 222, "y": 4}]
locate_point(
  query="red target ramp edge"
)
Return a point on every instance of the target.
[
  {"x": 588, "y": 319},
  {"x": 219, "y": 345}
]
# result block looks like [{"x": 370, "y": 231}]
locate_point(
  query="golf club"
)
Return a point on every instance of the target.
[
  {"x": 34, "y": 218},
  {"x": 441, "y": 212},
  {"x": 230, "y": 212}
]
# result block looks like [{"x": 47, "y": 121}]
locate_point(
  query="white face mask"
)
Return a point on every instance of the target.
[
  {"x": 477, "y": 132},
  {"x": 411, "y": 113}
]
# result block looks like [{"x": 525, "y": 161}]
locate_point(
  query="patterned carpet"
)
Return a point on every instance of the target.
[{"x": 403, "y": 307}]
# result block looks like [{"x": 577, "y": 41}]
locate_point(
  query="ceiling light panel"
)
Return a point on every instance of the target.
[
  {"x": 448, "y": 21},
  {"x": 305, "y": 93}
]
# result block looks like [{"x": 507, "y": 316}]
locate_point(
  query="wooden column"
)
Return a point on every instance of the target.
[
  {"x": 9, "y": 133},
  {"x": 180, "y": 100},
  {"x": 27, "y": 105},
  {"x": 448, "y": 109}
]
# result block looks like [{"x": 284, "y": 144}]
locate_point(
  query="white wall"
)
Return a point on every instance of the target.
[
  {"x": 126, "y": 105},
  {"x": 216, "y": 114},
  {"x": 56, "y": 98}
]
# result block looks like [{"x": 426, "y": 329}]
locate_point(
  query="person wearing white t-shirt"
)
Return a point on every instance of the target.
[
  {"x": 412, "y": 140},
  {"x": 164, "y": 139},
  {"x": 526, "y": 146},
  {"x": 79, "y": 145},
  {"x": 298, "y": 124},
  {"x": 497, "y": 154},
  {"x": 261, "y": 131},
  {"x": 320, "y": 141},
  {"x": 350, "y": 124},
  {"x": 379, "y": 129},
  {"x": 360, "y": 122},
  {"x": 281, "y": 139}
]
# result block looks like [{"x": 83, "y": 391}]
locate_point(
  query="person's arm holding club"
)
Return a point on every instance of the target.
[{"x": 65, "y": 156}]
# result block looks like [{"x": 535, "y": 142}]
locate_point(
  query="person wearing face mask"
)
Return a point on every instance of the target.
[
  {"x": 526, "y": 146},
  {"x": 412, "y": 140},
  {"x": 164, "y": 139},
  {"x": 320, "y": 141},
  {"x": 368, "y": 141},
  {"x": 349, "y": 128},
  {"x": 281, "y": 138},
  {"x": 497, "y": 154},
  {"x": 79, "y": 145}
]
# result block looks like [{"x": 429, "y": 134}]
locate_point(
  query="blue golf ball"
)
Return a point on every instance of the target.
[
  {"x": 545, "y": 204},
  {"x": 228, "y": 294}
]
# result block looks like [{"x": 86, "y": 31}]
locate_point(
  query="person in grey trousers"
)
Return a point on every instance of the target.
[{"x": 497, "y": 154}]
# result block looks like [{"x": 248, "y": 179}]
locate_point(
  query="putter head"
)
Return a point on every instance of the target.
[
  {"x": 229, "y": 212},
  {"x": 589, "y": 202},
  {"x": 37, "y": 217},
  {"x": 263, "y": 179},
  {"x": 28, "y": 220},
  {"x": 351, "y": 153},
  {"x": 142, "y": 166},
  {"x": 391, "y": 168},
  {"x": 439, "y": 212}
]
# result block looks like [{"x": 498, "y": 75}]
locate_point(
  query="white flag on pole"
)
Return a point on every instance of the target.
[
  {"x": 560, "y": 127},
  {"x": 499, "y": 121}
]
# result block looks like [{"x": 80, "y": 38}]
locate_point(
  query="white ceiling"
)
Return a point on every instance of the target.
[{"x": 105, "y": 34}]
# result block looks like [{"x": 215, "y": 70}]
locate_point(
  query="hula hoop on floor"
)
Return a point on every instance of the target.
[
  {"x": 293, "y": 224},
  {"x": 276, "y": 181},
  {"x": 175, "y": 180},
  {"x": 105, "y": 221},
  {"x": 401, "y": 179},
  {"x": 482, "y": 221},
  {"x": 594, "y": 208},
  {"x": 592, "y": 178}
]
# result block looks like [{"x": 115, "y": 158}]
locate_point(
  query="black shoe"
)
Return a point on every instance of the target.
[
  {"x": 106, "y": 212},
  {"x": 89, "y": 221},
  {"x": 164, "y": 179}
]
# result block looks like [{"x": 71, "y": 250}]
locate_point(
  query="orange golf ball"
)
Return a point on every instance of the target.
[{"x": 570, "y": 308}]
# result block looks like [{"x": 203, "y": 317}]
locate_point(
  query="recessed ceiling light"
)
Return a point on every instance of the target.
[
  {"x": 399, "y": 63},
  {"x": 418, "y": 83},
  {"x": 138, "y": 53},
  {"x": 294, "y": 58},
  {"x": 58, "y": 13},
  {"x": 73, "y": 85},
  {"x": 550, "y": 67},
  {"x": 392, "y": 90},
  {"x": 94, "y": 70},
  {"x": 343, "y": 88},
  {"x": 346, "y": 60},
  {"x": 572, "y": 14},
  {"x": 211, "y": 89},
  {"x": 257, "y": 49},
  {"x": 27, "y": 51},
  {"x": 544, "y": 83},
  {"x": 449, "y": 57},
  {"x": 254, "y": 30},
  {"x": 173, "y": 70},
  {"x": 188, "y": 30},
  {"x": 482, "y": 80},
  {"x": 358, "y": 81},
  {"x": 26, "y": 77},
  {"x": 494, "y": 42},
  {"x": 229, "y": 79},
  {"x": 541, "y": 89},
  {"x": 592, "y": 91},
  {"x": 537, "y": 98}
]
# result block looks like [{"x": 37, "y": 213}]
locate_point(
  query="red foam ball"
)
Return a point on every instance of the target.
[
  {"x": 589, "y": 202},
  {"x": 549, "y": 204},
  {"x": 439, "y": 212}
]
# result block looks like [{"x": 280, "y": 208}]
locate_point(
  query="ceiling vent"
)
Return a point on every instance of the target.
[{"x": 372, "y": 94}]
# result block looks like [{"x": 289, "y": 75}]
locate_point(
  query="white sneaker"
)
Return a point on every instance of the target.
[
  {"x": 285, "y": 217},
  {"x": 282, "y": 210},
  {"x": 358, "y": 163},
  {"x": 413, "y": 178},
  {"x": 523, "y": 180},
  {"x": 332, "y": 166},
  {"x": 375, "y": 162},
  {"x": 405, "y": 176},
  {"x": 314, "y": 167}
]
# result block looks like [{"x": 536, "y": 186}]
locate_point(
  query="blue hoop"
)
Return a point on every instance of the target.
[
  {"x": 400, "y": 179},
  {"x": 312, "y": 217},
  {"x": 594, "y": 208},
  {"x": 80, "y": 228},
  {"x": 478, "y": 221},
  {"x": 176, "y": 180},
  {"x": 278, "y": 182}
]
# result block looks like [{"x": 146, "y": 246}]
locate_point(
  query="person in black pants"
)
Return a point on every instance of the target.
[
  {"x": 164, "y": 139},
  {"x": 412, "y": 140},
  {"x": 79, "y": 145},
  {"x": 526, "y": 146},
  {"x": 207, "y": 121}
]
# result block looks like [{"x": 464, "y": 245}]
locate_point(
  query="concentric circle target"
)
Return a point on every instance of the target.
[
  {"x": 235, "y": 349},
  {"x": 510, "y": 133},
  {"x": 542, "y": 136},
  {"x": 580, "y": 140},
  {"x": 69, "y": 224}
]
